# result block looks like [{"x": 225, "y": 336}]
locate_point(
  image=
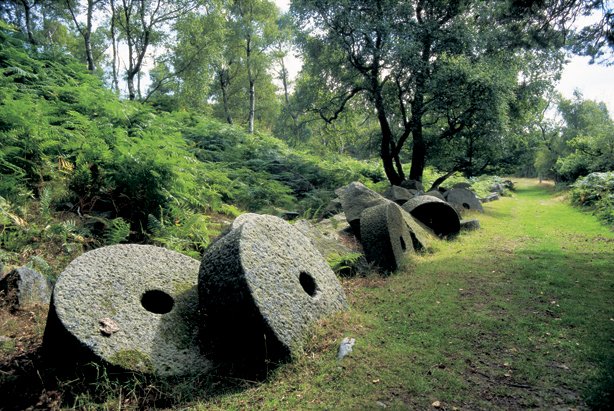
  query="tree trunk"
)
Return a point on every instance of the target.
[
  {"x": 386, "y": 152},
  {"x": 114, "y": 44},
  {"x": 418, "y": 158},
  {"x": 28, "y": 16},
  {"x": 224, "y": 80},
  {"x": 252, "y": 91},
  {"x": 87, "y": 37},
  {"x": 131, "y": 89},
  {"x": 288, "y": 108}
]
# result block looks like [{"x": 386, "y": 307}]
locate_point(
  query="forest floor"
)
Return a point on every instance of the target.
[{"x": 518, "y": 314}]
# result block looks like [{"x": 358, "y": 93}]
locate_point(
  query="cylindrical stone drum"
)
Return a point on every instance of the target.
[
  {"x": 261, "y": 287},
  {"x": 134, "y": 307}
]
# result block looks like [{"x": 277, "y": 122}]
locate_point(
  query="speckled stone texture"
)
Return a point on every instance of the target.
[
  {"x": 463, "y": 199},
  {"x": 22, "y": 287},
  {"x": 111, "y": 305},
  {"x": 436, "y": 214},
  {"x": 240, "y": 220},
  {"x": 355, "y": 198},
  {"x": 385, "y": 237},
  {"x": 261, "y": 287},
  {"x": 398, "y": 194}
]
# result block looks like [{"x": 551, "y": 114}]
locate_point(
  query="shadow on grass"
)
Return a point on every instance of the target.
[{"x": 27, "y": 381}]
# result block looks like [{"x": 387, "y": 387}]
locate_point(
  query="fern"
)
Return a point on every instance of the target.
[{"x": 117, "y": 231}]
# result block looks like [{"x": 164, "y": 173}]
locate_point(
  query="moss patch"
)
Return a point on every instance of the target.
[{"x": 132, "y": 360}]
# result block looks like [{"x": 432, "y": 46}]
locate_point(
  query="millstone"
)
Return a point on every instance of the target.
[
  {"x": 261, "y": 287},
  {"x": 398, "y": 194},
  {"x": 463, "y": 199},
  {"x": 240, "y": 220},
  {"x": 129, "y": 306},
  {"x": 436, "y": 214},
  {"x": 385, "y": 237},
  {"x": 355, "y": 198}
]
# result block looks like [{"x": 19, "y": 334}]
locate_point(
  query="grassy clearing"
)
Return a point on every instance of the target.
[{"x": 516, "y": 315}]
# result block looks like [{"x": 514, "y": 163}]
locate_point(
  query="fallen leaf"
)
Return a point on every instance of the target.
[
  {"x": 108, "y": 327},
  {"x": 436, "y": 404}
]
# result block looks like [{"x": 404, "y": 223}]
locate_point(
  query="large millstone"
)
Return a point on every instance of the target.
[
  {"x": 463, "y": 199},
  {"x": 130, "y": 306},
  {"x": 261, "y": 287},
  {"x": 356, "y": 197},
  {"x": 436, "y": 214},
  {"x": 385, "y": 237}
]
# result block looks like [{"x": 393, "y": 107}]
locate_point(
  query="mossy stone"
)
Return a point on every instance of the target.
[{"x": 134, "y": 307}]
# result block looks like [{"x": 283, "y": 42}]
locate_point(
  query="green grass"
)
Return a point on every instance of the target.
[{"x": 515, "y": 315}]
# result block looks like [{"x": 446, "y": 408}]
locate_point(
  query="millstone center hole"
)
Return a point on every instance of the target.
[
  {"x": 308, "y": 283},
  {"x": 403, "y": 245},
  {"x": 466, "y": 206},
  {"x": 156, "y": 301}
]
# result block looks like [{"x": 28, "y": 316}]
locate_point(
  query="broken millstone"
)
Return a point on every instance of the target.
[
  {"x": 355, "y": 198},
  {"x": 398, "y": 194},
  {"x": 463, "y": 199},
  {"x": 436, "y": 214},
  {"x": 261, "y": 288},
  {"x": 22, "y": 287},
  {"x": 132, "y": 307},
  {"x": 385, "y": 237}
]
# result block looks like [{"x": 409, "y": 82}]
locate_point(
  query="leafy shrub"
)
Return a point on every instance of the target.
[{"x": 596, "y": 191}]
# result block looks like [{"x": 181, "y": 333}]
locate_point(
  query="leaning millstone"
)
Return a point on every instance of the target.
[
  {"x": 436, "y": 214},
  {"x": 421, "y": 235},
  {"x": 385, "y": 237},
  {"x": 398, "y": 194},
  {"x": 463, "y": 199},
  {"x": 261, "y": 288},
  {"x": 132, "y": 307},
  {"x": 435, "y": 193},
  {"x": 23, "y": 287},
  {"x": 355, "y": 198},
  {"x": 470, "y": 225}
]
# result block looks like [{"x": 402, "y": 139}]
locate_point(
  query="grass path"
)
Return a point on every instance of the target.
[{"x": 516, "y": 315}]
